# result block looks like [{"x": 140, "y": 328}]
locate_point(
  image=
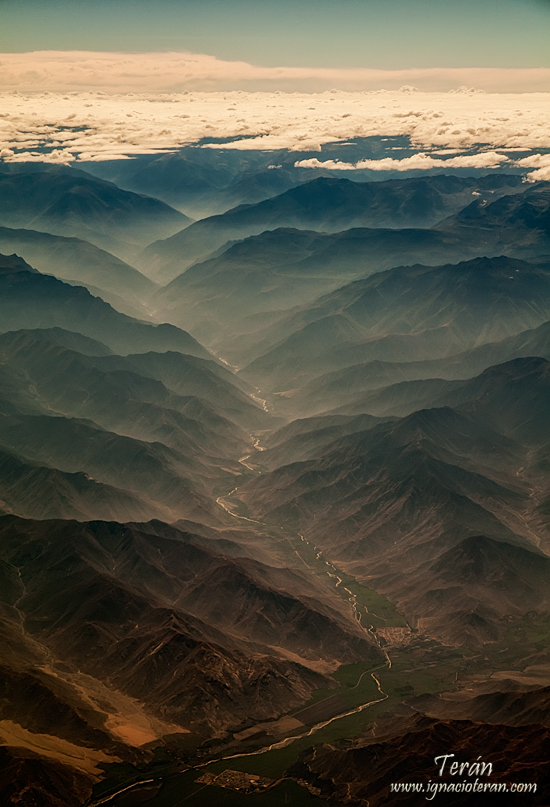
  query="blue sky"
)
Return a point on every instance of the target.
[{"x": 388, "y": 34}]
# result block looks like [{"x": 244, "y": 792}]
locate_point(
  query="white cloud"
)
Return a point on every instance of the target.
[
  {"x": 542, "y": 174},
  {"x": 95, "y": 125},
  {"x": 420, "y": 161},
  {"x": 541, "y": 162},
  {"x": 535, "y": 161}
]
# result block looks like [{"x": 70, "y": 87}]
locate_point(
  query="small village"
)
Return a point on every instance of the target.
[{"x": 237, "y": 780}]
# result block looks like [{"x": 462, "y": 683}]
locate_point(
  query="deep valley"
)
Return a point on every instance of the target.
[{"x": 274, "y": 482}]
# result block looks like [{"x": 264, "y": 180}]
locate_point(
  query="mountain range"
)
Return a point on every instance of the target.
[
  {"x": 273, "y": 483},
  {"x": 442, "y": 309},
  {"x": 329, "y": 205},
  {"x": 410, "y": 503},
  {"x": 32, "y": 300},
  {"x": 64, "y": 201},
  {"x": 80, "y": 263}
]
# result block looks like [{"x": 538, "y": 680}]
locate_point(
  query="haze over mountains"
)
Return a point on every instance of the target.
[
  {"x": 205, "y": 181},
  {"x": 273, "y": 483},
  {"x": 67, "y": 202},
  {"x": 424, "y": 312},
  {"x": 81, "y": 263},
  {"x": 30, "y": 299},
  {"x": 409, "y": 499},
  {"x": 329, "y": 205}
]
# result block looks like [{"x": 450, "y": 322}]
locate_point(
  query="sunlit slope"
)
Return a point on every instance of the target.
[{"x": 146, "y": 622}]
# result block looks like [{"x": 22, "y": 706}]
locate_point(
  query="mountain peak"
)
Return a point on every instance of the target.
[{"x": 13, "y": 263}]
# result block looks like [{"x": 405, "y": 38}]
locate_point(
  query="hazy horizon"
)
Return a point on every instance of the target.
[
  {"x": 78, "y": 79},
  {"x": 352, "y": 34}
]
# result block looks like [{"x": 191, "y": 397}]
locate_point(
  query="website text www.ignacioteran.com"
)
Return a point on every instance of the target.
[{"x": 463, "y": 777}]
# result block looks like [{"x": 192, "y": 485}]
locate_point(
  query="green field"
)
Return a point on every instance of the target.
[
  {"x": 406, "y": 678},
  {"x": 180, "y": 790},
  {"x": 347, "y": 676},
  {"x": 420, "y": 666},
  {"x": 183, "y": 789},
  {"x": 381, "y": 612}
]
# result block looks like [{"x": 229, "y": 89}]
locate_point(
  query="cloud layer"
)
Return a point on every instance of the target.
[
  {"x": 68, "y": 71},
  {"x": 93, "y": 125},
  {"x": 67, "y": 106}
]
